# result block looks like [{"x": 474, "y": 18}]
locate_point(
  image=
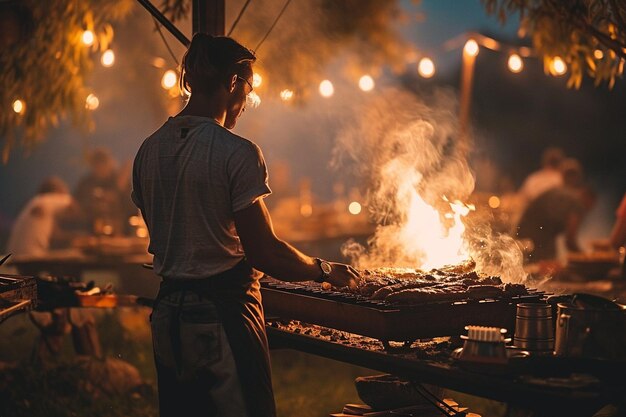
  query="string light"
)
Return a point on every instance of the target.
[
  {"x": 88, "y": 38},
  {"x": 108, "y": 58},
  {"x": 306, "y": 210},
  {"x": 158, "y": 62},
  {"x": 253, "y": 100},
  {"x": 19, "y": 107},
  {"x": 494, "y": 202},
  {"x": 169, "y": 79},
  {"x": 354, "y": 208},
  {"x": 257, "y": 80},
  {"x": 92, "y": 102},
  {"x": 598, "y": 54},
  {"x": 515, "y": 63},
  {"x": 558, "y": 66},
  {"x": 286, "y": 94},
  {"x": 426, "y": 67},
  {"x": 326, "y": 88},
  {"x": 471, "y": 48},
  {"x": 366, "y": 83}
]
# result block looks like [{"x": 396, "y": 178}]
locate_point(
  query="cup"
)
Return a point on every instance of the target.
[{"x": 534, "y": 329}]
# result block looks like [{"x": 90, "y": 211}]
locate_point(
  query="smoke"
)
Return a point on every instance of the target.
[{"x": 407, "y": 149}]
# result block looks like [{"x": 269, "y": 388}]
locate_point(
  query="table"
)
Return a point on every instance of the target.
[
  {"x": 529, "y": 393},
  {"x": 131, "y": 277}
]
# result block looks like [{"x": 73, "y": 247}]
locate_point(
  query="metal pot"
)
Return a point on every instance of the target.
[{"x": 590, "y": 332}]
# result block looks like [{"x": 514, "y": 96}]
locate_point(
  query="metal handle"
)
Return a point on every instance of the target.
[
  {"x": 564, "y": 323},
  {"x": 22, "y": 304}
]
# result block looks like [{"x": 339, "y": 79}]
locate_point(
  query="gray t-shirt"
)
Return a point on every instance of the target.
[{"x": 189, "y": 177}]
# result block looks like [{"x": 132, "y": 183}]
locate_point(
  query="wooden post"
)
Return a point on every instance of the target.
[
  {"x": 208, "y": 16},
  {"x": 467, "y": 79}
]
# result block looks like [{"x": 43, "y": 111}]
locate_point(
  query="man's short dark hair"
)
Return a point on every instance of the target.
[{"x": 210, "y": 60}]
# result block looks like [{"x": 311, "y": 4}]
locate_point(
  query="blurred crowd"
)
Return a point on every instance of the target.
[
  {"x": 545, "y": 214},
  {"x": 55, "y": 217}
]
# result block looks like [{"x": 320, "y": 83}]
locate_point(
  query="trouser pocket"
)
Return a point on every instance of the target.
[{"x": 187, "y": 339}]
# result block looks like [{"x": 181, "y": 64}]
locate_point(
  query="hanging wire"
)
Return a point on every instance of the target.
[
  {"x": 243, "y": 9},
  {"x": 273, "y": 24},
  {"x": 167, "y": 45}
]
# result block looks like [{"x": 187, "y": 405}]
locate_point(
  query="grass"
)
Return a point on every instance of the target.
[{"x": 304, "y": 385}]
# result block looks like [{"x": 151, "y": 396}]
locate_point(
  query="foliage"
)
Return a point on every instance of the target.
[
  {"x": 311, "y": 34},
  {"x": 573, "y": 30},
  {"x": 48, "y": 70}
]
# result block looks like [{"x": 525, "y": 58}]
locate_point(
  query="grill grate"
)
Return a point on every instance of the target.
[
  {"x": 314, "y": 290},
  {"x": 383, "y": 320}
]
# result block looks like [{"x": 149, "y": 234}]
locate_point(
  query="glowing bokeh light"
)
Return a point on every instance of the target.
[
  {"x": 471, "y": 48},
  {"x": 515, "y": 63},
  {"x": 366, "y": 83},
  {"x": 286, "y": 94},
  {"x": 306, "y": 210},
  {"x": 354, "y": 208},
  {"x": 559, "y": 67},
  {"x": 169, "y": 79},
  {"x": 494, "y": 202},
  {"x": 19, "y": 107},
  {"x": 88, "y": 38},
  {"x": 253, "y": 100},
  {"x": 108, "y": 58},
  {"x": 326, "y": 88},
  {"x": 257, "y": 80},
  {"x": 598, "y": 54},
  {"x": 426, "y": 67},
  {"x": 92, "y": 102}
]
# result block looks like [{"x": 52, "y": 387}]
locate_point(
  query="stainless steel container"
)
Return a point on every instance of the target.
[
  {"x": 534, "y": 329},
  {"x": 590, "y": 332}
]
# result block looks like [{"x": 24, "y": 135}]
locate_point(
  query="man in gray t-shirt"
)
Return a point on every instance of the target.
[
  {"x": 200, "y": 189},
  {"x": 190, "y": 176}
]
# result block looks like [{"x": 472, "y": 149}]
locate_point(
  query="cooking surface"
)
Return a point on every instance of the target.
[{"x": 382, "y": 320}]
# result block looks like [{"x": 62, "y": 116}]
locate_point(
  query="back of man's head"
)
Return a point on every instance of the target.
[
  {"x": 211, "y": 60},
  {"x": 572, "y": 172},
  {"x": 552, "y": 157},
  {"x": 53, "y": 185}
]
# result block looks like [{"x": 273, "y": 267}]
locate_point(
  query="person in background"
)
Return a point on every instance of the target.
[
  {"x": 200, "y": 189},
  {"x": 618, "y": 234},
  {"x": 559, "y": 210},
  {"x": 102, "y": 195},
  {"x": 549, "y": 176},
  {"x": 36, "y": 225}
]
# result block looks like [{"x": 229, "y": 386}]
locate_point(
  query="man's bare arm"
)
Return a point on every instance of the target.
[{"x": 267, "y": 253}]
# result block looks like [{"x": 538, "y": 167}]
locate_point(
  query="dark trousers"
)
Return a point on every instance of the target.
[{"x": 211, "y": 350}]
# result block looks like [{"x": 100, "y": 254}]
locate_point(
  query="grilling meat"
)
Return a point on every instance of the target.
[{"x": 449, "y": 283}]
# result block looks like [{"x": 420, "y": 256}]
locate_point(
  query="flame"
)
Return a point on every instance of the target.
[
  {"x": 424, "y": 237},
  {"x": 430, "y": 241}
]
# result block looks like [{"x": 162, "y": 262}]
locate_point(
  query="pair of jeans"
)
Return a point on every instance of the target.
[{"x": 211, "y": 350}]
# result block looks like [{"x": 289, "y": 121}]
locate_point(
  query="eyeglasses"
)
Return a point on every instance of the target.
[{"x": 247, "y": 82}]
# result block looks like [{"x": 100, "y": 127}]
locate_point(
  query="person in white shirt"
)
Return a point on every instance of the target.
[
  {"x": 549, "y": 176},
  {"x": 35, "y": 225}
]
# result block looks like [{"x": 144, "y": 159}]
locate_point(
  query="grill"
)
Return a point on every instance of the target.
[
  {"x": 16, "y": 293},
  {"x": 385, "y": 321}
]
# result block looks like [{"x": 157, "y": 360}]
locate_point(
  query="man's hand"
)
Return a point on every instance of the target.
[{"x": 343, "y": 275}]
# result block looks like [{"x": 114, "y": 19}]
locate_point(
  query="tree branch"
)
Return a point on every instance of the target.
[{"x": 620, "y": 20}]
